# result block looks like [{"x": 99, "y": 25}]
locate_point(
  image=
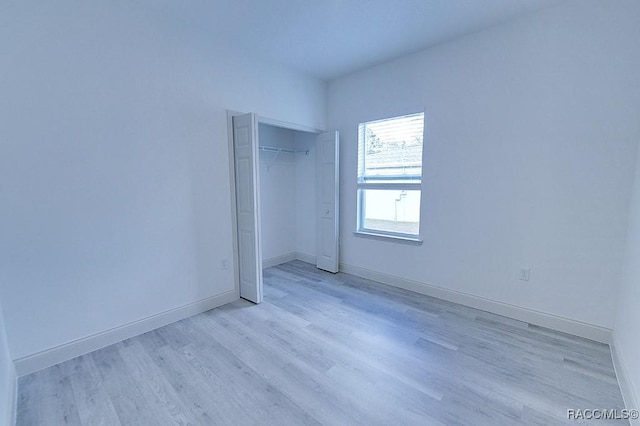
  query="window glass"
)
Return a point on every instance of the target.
[
  {"x": 394, "y": 210},
  {"x": 390, "y": 175}
]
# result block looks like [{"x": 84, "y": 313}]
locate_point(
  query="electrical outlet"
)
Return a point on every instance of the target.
[{"x": 524, "y": 274}]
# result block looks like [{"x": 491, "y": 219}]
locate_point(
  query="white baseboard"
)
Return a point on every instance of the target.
[
  {"x": 566, "y": 325},
  {"x": 67, "y": 351},
  {"x": 626, "y": 387},
  {"x": 278, "y": 260},
  {"x": 307, "y": 258}
]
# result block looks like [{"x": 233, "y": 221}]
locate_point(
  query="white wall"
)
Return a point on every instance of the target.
[
  {"x": 114, "y": 176},
  {"x": 532, "y": 130},
  {"x": 7, "y": 378},
  {"x": 627, "y": 323},
  {"x": 277, "y": 195}
]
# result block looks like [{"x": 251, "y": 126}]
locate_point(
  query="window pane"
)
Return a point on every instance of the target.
[
  {"x": 391, "y": 147},
  {"x": 396, "y": 211}
]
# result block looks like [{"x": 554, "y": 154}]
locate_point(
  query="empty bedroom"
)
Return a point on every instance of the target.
[{"x": 280, "y": 212}]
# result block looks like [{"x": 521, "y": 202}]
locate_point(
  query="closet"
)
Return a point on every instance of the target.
[
  {"x": 285, "y": 198},
  {"x": 287, "y": 194}
]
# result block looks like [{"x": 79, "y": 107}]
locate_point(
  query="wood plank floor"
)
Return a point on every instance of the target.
[{"x": 334, "y": 350}]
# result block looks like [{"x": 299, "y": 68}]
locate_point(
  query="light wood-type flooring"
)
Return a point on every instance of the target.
[{"x": 334, "y": 350}]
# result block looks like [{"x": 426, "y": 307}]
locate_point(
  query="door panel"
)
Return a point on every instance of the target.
[
  {"x": 327, "y": 205},
  {"x": 327, "y": 229},
  {"x": 328, "y": 186},
  {"x": 245, "y": 148}
]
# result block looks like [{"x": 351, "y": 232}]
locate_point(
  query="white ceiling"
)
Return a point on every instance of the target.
[{"x": 330, "y": 38}]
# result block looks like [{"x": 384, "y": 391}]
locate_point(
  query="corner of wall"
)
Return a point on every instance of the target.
[{"x": 305, "y": 257}]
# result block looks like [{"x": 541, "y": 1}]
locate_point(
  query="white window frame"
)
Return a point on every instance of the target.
[{"x": 391, "y": 183}]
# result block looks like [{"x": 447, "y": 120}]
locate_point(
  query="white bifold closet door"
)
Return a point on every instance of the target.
[
  {"x": 245, "y": 147},
  {"x": 327, "y": 196}
]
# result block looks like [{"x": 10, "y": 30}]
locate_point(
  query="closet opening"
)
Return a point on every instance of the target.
[
  {"x": 287, "y": 194},
  {"x": 285, "y": 198}
]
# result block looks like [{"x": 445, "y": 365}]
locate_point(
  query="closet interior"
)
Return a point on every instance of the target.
[{"x": 287, "y": 194}]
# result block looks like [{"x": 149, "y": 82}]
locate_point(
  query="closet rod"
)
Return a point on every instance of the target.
[{"x": 279, "y": 150}]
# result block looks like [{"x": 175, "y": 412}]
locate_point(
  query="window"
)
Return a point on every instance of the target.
[{"x": 390, "y": 176}]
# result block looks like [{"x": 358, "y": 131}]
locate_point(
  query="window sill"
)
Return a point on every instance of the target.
[{"x": 387, "y": 237}]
